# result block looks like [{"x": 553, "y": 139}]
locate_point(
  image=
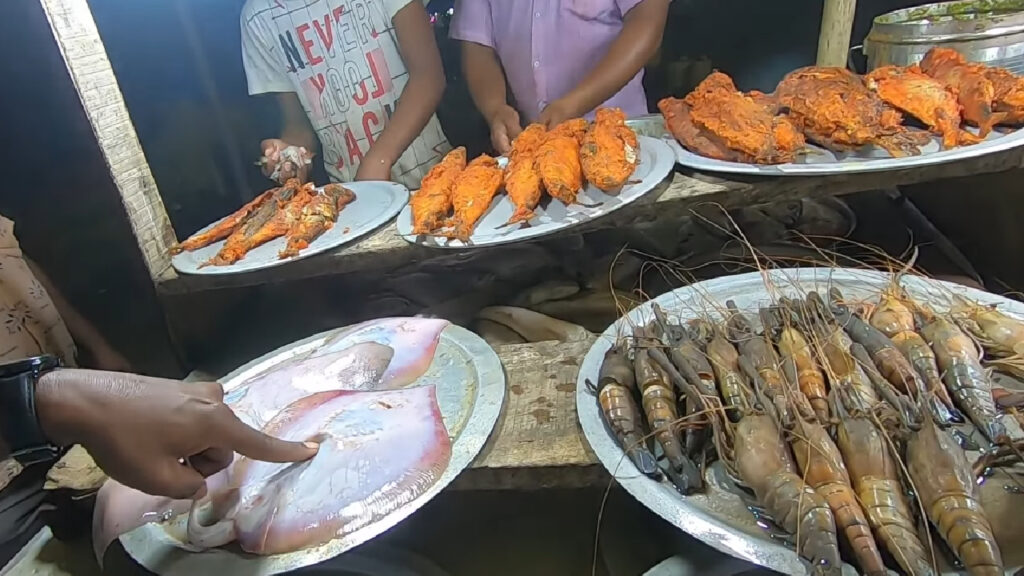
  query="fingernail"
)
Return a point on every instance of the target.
[{"x": 311, "y": 445}]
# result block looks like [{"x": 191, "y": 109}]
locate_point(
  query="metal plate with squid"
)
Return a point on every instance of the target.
[
  {"x": 470, "y": 386},
  {"x": 821, "y": 162},
  {"x": 656, "y": 162},
  {"x": 718, "y": 516},
  {"x": 376, "y": 204}
]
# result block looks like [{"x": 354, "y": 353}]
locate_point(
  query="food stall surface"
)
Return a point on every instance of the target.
[{"x": 554, "y": 537}]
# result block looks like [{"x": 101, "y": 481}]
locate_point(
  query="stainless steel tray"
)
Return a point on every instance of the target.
[
  {"x": 821, "y": 162},
  {"x": 656, "y": 162},
  {"x": 376, "y": 204},
  {"x": 718, "y": 517},
  {"x": 470, "y": 385}
]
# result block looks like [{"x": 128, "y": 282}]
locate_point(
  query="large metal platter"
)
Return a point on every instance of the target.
[
  {"x": 718, "y": 517},
  {"x": 656, "y": 162},
  {"x": 470, "y": 390},
  {"x": 376, "y": 204},
  {"x": 822, "y": 162}
]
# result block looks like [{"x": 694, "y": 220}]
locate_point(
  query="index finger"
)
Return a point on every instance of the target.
[{"x": 238, "y": 436}]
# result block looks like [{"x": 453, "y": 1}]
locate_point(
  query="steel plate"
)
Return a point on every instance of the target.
[
  {"x": 656, "y": 162},
  {"x": 718, "y": 517},
  {"x": 376, "y": 204},
  {"x": 821, "y": 162},
  {"x": 470, "y": 385}
]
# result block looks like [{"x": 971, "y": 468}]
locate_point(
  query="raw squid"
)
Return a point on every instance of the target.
[
  {"x": 304, "y": 396},
  {"x": 376, "y": 355},
  {"x": 378, "y": 451}
]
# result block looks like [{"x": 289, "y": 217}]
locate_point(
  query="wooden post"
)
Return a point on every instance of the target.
[
  {"x": 836, "y": 27},
  {"x": 86, "y": 59}
]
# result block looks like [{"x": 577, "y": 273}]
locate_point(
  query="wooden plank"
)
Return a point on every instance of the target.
[
  {"x": 79, "y": 41},
  {"x": 836, "y": 27},
  {"x": 384, "y": 250}
]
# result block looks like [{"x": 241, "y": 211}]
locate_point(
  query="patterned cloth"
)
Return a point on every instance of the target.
[
  {"x": 547, "y": 47},
  {"x": 341, "y": 58},
  {"x": 29, "y": 322}
]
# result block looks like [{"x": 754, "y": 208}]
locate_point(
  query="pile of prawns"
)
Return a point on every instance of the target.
[
  {"x": 296, "y": 211},
  {"x": 454, "y": 195},
  {"x": 828, "y": 416}
]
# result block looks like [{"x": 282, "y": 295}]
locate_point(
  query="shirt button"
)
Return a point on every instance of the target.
[
  {"x": 536, "y": 14},
  {"x": 536, "y": 63},
  {"x": 542, "y": 104}
]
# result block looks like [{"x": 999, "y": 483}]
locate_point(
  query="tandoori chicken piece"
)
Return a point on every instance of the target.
[
  {"x": 608, "y": 154},
  {"x": 576, "y": 128},
  {"x": 558, "y": 160},
  {"x": 718, "y": 121},
  {"x": 474, "y": 189},
  {"x": 432, "y": 203},
  {"x": 284, "y": 211},
  {"x": 924, "y": 98},
  {"x": 318, "y": 216},
  {"x": 522, "y": 176},
  {"x": 971, "y": 83},
  {"x": 835, "y": 109},
  {"x": 225, "y": 227}
]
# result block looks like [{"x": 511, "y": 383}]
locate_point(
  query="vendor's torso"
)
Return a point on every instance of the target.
[
  {"x": 343, "y": 59},
  {"x": 548, "y": 46}
]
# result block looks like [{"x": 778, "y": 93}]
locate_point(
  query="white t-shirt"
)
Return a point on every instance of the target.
[{"x": 341, "y": 58}]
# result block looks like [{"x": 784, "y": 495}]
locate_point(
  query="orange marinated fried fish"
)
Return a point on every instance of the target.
[
  {"x": 1009, "y": 94},
  {"x": 718, "y": 121},
  {"x": 472, "y": 194},
  {"x": 273, "y": 220},
  {"x": 575, "y": 128},
  {"x": 318, "y": 216},
  {"x": 608, "y": 154},
  {"x": 924, "y": 98},
  {"x": 558, "y": 160},
  {"x": 970, "y": 81},
  {"x": 522, "y": 177},
  {"x": 433, "y": 201},
  {"x": 835, "y": 109},
  {"x": 225, "y": 227}
]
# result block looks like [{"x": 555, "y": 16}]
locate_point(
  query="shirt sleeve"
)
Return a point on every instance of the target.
[
  {"x": 472, "y": 22},
  {"x": 264, "y": 69},
  {"x": 391, "y": 7},
  {"x": 627, "y": 5}
]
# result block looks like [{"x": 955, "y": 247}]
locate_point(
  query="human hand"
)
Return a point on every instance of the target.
[
  {"x": 162, "y": 437},
  {"x": 505, "y": 126},
  {"x": 289, "y": 168},
  {"x": 374, "y": 167},
  {"x": 557, "y": 112}
]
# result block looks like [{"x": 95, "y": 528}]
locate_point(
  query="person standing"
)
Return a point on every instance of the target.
[
  {"x": 364, "y": 78},
  {"x": 562, "y": 59}
]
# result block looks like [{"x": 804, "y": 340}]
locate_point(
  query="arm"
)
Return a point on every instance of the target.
[
  {"x": 486, "y": 82},
  {"x": 137, "y": 428},
  {"x": 485, "y": 78},
  {"x": 639, "y": 40},
  {"x": 83, "y": 332},
  {"x": 419, "y": 99},
  {"x": 295, "y": 131}
]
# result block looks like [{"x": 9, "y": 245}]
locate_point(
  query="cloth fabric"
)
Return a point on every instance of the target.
[
  {"x": 548, "y": 46},
  {"x": 342, "y": 60},
  {"x": 29, "y": 322}
]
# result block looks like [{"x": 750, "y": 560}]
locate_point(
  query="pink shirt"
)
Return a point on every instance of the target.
[{"x": 547, "y": 46}]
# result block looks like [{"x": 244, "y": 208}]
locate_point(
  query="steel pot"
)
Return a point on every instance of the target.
[{"x": 989, "y": 31}]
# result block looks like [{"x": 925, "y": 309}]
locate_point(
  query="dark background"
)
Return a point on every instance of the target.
[{"x": 179, "y": 68}]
